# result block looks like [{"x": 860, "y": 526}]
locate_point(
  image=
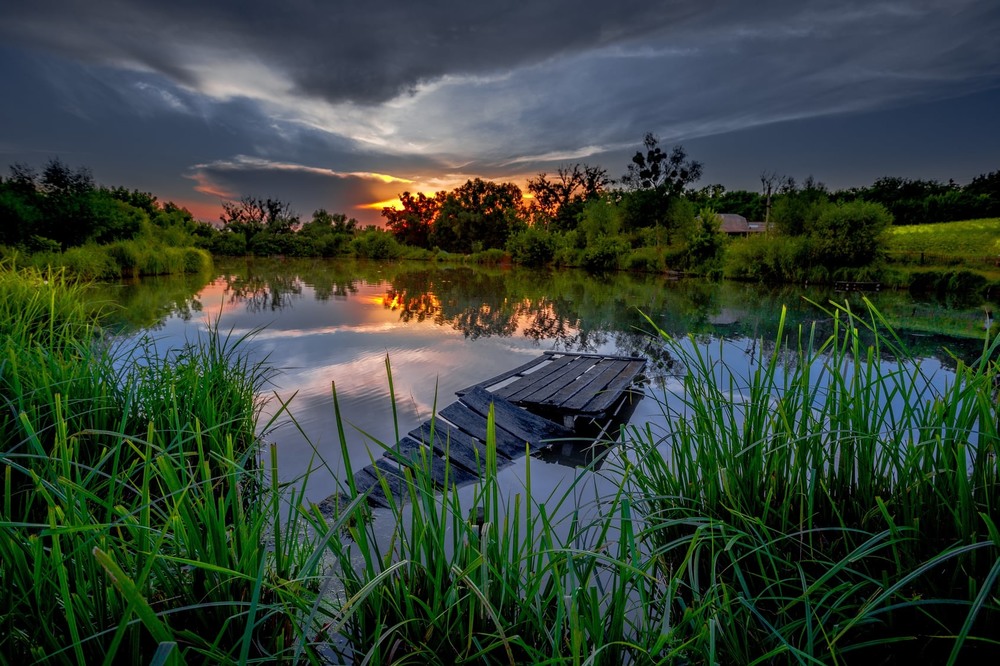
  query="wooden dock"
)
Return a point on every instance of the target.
[{"x": 536, "y": 405}]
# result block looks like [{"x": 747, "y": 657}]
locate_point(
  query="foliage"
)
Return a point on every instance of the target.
[
  {"x": 850, "y": 504},
  {"x": 849, "y": 235},
  {"x": 795, "y": 209},
  {"x": 927, "y": 201},
  {"x": 738, "y": 202},
  {"x": 412, "y": 224},
  {"x": 532, "y": 246},
  {"x": 645, "y": 260},
  {"x": 128, "y": 528},
  {"x": 559, "y": 201},
  {"x": 705, "y": 245},
  {"x": 375, "y": 243},
  {"x": 253, "y": 215},
  {"x": 771, "y": 260},
  {"x": 604, "y": 254},
  {"x": 478, "y": 215},
  {"x": 655, "y": 169},
  {"x": 143, "y": 256}
]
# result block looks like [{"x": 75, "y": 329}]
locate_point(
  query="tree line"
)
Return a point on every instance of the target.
[{"x": 650, "y": 218}]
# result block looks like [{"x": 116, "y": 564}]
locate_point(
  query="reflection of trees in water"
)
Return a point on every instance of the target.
[
  {"x": 146, "y": 303},
  {"x": 260, "y": 293},
  {"x": 569, "y": 310}
]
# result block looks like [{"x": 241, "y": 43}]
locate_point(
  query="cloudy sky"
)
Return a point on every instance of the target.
[{"x": 343, "y": 105}]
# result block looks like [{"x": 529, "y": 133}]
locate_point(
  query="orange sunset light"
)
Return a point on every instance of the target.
[{"x": 379, "y": 205}]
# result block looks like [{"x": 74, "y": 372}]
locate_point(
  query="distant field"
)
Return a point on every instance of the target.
[{"x": 968, "y": 239}]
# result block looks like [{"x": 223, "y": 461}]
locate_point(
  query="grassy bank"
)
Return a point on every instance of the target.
[
  {"x": 826, "y": 508},
  {"x": 122, "y": 259}
]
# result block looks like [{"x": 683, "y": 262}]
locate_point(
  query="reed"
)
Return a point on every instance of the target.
[
  {"x": 851, "y": 499},
  {"x": 835, "y": 504},
  {"x": 136, "y": 523}
]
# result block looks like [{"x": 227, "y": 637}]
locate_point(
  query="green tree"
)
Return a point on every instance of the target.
[
  {"x": 479, "y": 215},
  {"x": 706, "y": 241},
  {"x": 796, "y": 208},
  {"x": 67, "y": 205},
  {"x": 654, "y": 179},
  {"x": 253, "y": 215},
  {"x": 560, "y": 200},
  {"x": 849, "y": 234},
  {"x": 412, "y": 224}
]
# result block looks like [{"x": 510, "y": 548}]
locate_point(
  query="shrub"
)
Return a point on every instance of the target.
[
  {"x": 850, "y": 234},
  {"x": 532, "y": 247},
  {"x": 490, "y": 257},
  {"x": 768, "y": 259},
  {"x": 645, "y": 259},
  {"x": 374, "y": 243},
  {"x": 604, "y": 254}
]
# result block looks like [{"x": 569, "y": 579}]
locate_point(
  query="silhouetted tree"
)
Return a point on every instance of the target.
[
  {"x": 412, "y": 224},
  {"x": 655, "y": 169},
  {"x": 252, "y": 215},
  {"x": 653, "y": 179},
  {"x": 561, "y": 199},
  {"x": 479, "y": 215}
]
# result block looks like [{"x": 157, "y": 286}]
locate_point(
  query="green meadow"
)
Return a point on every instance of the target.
[{"x": 948, "y": 241}]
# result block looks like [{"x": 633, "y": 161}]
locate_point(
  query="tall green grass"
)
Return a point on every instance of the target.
[
  {"x": 851, "y": 503},
  {"x": 827, "y": 507},
  {"x": 499, "y": 579},
  {"x": 135, "y": 521},
  {"x": 121, "y": 259}
]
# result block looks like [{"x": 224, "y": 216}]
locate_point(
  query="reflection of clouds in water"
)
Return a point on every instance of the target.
[{"x": 461, "y": 327}]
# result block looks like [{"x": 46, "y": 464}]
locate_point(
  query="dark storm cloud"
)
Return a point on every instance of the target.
[
  {"x": 199, "y": 90},
  {"x": 337, "y": 51}
]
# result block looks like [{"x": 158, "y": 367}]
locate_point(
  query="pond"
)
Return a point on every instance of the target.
[{"x": 334, "y": 323}]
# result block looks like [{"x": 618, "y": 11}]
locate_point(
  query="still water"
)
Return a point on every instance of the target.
[{"x": 325, "y": 324}]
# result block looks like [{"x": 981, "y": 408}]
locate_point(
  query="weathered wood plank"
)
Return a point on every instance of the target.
[
  {"x": 586, "y": 385},
  {"x": 460, "y": 448},
  {"x": 537, "y": 380},
  {"x": 366, "y": 481},
  {"x": 603, "y": 401},
  {"x": 475, "y": 424},
  {"x": 418, "y": 457},
  {"x": 553, "y": 382},
  {"x": 593, "y": 355},
  {"x": 531, "y": 428},
  {"x": 521, "y": 369}
]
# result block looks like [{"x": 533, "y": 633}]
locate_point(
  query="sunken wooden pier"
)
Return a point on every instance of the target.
[{"x": 548, "y": 401}]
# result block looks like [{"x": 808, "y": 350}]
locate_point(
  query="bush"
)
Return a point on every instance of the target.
[
  {"x": 605, "y": 254},
  {"x": 850, "y": 234},
  {"x": 229, "y": 244},
  {"x": 768, "y": 259},
  {"x": 375, "y": 243},
  {"x": 532, "y": 247},
  {"x": 646, "y": 260},
  {"x": 490, "y": 257}
]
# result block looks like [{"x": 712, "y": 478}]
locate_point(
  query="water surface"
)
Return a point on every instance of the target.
[{"x": 326, "y": 324}]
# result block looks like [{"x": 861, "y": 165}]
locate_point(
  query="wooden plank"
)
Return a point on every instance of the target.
[
  {"x": 418, "y": 457},
  {"x": 552, "y": 383},
  {"x": 521, "y": 369},
  {"x": 536, "y": 380},
  {"x": 603, "y": 401},
  {"x": 584, "y": 386},
  {"x": 475, "y": 424},
  {"x": 366, "y": 481},
  {"x": 527, "y": 426},
  {"x": 593, "y": 355},
  {"x": 460, "y": 448}
]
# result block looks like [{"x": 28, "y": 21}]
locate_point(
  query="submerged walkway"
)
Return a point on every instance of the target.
[{"x": 534, "y": 406}]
